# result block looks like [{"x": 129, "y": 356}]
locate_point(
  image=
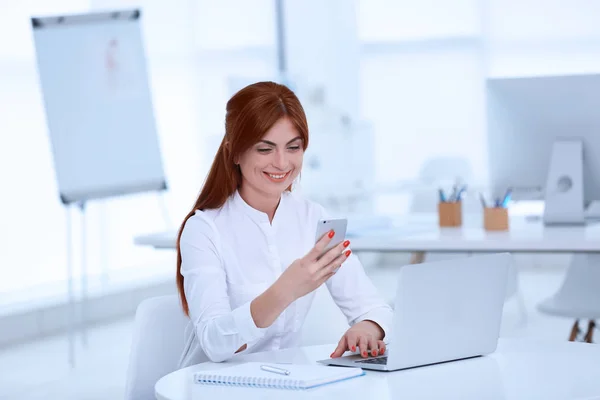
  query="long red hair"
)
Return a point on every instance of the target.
[{"x": 251, "y": 112}]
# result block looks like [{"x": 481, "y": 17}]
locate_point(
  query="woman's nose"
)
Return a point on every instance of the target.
[{"x": 280, "y": 160}]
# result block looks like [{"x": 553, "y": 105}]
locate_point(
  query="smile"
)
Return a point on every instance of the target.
[{"x": 277, "y": 177}]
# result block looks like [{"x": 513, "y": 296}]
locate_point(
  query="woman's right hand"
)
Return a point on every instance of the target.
[{"x": 309, "y": 272}]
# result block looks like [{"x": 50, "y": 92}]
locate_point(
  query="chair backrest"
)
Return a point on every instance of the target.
[
  {"x": 157, "y": 344},
  {"x": 435, "y": 172}
]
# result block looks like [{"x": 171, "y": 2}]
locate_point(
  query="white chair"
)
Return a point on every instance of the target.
[
  {"x": 441, "y": 171},
  {"x": 157, "y": 344},
  {"x": 578, "y": 296}
]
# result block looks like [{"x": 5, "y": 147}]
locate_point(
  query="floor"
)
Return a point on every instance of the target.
[{"x": 40, "y": 370}]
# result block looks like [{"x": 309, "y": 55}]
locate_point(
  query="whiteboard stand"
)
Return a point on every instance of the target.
[
  {"x": 104, "y": 277},
  {"x": 81, "y": 324},
  {"x": 70, "y": 291},
  {"x": 98, "y": 104},
  {"x": 84, "y": 281}
]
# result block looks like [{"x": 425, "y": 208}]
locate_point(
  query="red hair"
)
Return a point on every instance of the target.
[{"x": 251, "y": 112}]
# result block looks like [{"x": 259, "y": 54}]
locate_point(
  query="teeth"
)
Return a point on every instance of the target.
[{"x": 276, "y": 176}]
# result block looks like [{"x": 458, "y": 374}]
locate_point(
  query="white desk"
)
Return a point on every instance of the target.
[
  {"x": 420, "y": 233},
  {"x": 519, "y": 369},
  {"x": 521, "y": 238}
]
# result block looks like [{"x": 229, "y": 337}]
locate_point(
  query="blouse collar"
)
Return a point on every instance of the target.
[{"x": 254, "y": 214}]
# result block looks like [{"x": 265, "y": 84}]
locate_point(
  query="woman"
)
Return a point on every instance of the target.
[{"x": 247, "y": 263}]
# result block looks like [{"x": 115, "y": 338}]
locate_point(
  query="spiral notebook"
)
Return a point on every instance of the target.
[{"x": 300, "y": 376}]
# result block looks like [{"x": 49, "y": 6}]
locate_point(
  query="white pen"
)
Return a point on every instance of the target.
[{"x": 275, "y": 370}]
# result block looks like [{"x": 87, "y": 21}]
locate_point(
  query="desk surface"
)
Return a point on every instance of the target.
[
  {"x": 519, "y": 369},
  {"x": 420, "y": 233}
]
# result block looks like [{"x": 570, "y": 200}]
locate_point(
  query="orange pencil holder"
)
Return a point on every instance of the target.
[
  {"x": 450, "y": 214},
  {"x": 495, "y": 219}
]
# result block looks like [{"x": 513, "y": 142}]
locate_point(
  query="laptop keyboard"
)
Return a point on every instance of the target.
[{"x": 378, "y": 360}]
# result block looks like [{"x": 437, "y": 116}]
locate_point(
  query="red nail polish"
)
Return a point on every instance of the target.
[
  {"x": 346, "y": 243},
  {"x": 374, "y": 352},
  {"x": 381, "y": 351},
  {"x": 331, "y": 233},
  {"x": 364, "y": 353},
  {"x": 348, "y": 253}
]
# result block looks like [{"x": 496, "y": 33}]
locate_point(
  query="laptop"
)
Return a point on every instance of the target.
[{"x": 444, "y": 311}]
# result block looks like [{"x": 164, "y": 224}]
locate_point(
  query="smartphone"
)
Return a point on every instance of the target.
[{"x": 338, "y": 225}]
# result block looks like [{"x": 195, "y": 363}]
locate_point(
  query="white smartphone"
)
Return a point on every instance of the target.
[{"x": 338, "y": 225}]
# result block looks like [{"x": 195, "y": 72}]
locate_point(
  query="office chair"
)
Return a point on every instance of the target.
[
  {"x": 578, "y": 297},
  {"x": 157, "y": 345}
]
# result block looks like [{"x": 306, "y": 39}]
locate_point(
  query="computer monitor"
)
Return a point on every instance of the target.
[{"x": 544, "y": 141}]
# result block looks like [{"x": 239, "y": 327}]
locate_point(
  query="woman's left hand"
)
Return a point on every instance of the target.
[{"x": 366, "y": 335}]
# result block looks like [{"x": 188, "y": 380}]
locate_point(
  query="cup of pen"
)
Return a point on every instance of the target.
[
  {"x": 450, "y": 209},
  {"x": 495, "y": 216},
  {"x": 450, "y": 214}
]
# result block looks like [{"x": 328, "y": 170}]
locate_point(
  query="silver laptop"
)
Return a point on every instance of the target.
[{"x": 444, "y": 311}]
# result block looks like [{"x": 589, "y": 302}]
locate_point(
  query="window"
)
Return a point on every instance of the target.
[{"x": 405, "y": 20}]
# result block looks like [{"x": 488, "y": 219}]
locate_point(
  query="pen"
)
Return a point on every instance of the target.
[
  {"x": 275, "y": 370},
  {"x": 482, "y": 200},
  {"x": 506, "y": 197},
  {"x": 453, "y": 195},
  {"x": 442, "y": 197},
  {"x": 460, "y": 192}
]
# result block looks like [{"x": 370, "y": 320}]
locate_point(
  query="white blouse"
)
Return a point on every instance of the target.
[{"x": 233, "y": 254}]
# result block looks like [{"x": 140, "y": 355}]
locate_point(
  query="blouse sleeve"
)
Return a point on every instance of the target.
[
  {"x": 220, "y": 330},
  {"x": 355, "y": 295}
]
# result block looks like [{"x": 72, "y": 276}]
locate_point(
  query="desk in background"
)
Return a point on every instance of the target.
[
  {"x": 420, "y": 233},
  {"x": 519, "y": 369}
]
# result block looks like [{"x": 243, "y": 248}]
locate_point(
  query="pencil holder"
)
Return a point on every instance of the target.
[
  {"x": 450, "y": 214},
  {"x": 495, "y": 218}
]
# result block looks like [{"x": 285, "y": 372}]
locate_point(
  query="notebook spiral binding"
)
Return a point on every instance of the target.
[{"x": 271, "y": 383}]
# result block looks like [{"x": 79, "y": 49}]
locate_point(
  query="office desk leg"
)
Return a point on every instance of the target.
[
  {"x": 417, "y": 257},
  {"x": 574, "y": 331}
]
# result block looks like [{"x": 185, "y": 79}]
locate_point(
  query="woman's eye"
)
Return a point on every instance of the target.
[
  {"x": 294, "y": 148},
  {"x": 264, "y": 150}
]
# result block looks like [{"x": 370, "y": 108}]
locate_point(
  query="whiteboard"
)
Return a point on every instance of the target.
[{"x": 97, "y": 100}]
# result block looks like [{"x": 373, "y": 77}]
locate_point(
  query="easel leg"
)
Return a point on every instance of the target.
[
  {"x": 84, "y": 282},
  {"x": 417, "y": 257},
  {"x": 70, "y": 294},
  {"x": 590, "y": 332},
  {"x": 574, "y": 331}
]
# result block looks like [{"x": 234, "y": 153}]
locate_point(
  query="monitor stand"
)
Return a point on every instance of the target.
[{"x": 564, "y": 201}]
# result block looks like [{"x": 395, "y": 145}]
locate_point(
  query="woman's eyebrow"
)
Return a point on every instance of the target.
[{"x": 274, "y": 144}]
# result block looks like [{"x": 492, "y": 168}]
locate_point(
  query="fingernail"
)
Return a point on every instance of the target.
[
  {"x": 364, "y": 353},
  {"x": 381, "y": 351},
  {"x": 331, "y": 233},
  {"x": 346, "y": 243},
  {"x": 353, "y": 348},
  {"x": 348, "y": 253},
  {"x": 374, "y": 352}
]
